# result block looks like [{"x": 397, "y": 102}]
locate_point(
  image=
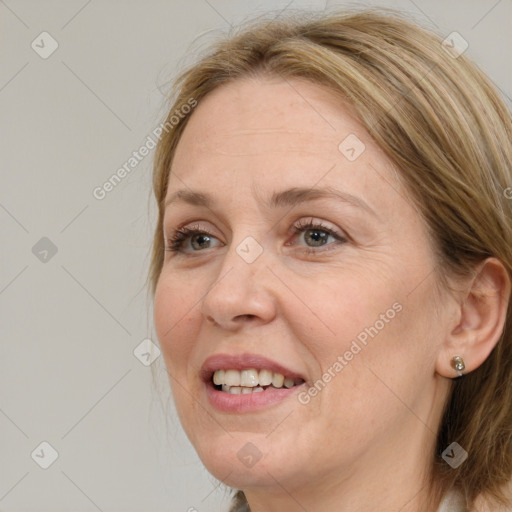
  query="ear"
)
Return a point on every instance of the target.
[{"x": 479, "y": 320}]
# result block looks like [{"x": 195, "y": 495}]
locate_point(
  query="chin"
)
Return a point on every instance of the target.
[
  {"x": 238, "y": 463},
  {"x": 249, "y": 460}
]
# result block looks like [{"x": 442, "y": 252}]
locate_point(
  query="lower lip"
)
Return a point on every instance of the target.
[{"x": 250, "y": 402}]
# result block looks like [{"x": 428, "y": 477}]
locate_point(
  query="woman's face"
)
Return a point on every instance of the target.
[{"x": 308, "y": 262}]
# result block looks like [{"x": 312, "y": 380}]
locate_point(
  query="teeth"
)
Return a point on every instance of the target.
[
  {"x": 218, "y": 377},
  {"x": 241, "y": 390},
  {"x": 231, "y": 377},
  {"x": 288, "y": 383},
  {"x": 278, "y": 380},
  {"x": 250, "y": 380},
  {"x": 265, "y": 378}
]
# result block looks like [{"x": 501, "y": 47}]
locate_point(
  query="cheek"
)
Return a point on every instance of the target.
[
  {"x": 363, "y": 322},
  {"x": 342, "y": 310},
  {"x": 175, "y": 317},
  {"x": 388, "y": 362}
]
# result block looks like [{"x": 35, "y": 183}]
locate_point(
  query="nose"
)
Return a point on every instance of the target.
[{"x": 240, "y": 293}]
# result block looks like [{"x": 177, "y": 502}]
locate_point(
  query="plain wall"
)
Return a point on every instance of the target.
[{"x": 70, "y": 321}]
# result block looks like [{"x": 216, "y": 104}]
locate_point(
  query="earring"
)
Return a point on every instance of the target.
[{"x": 458, "y": 364}]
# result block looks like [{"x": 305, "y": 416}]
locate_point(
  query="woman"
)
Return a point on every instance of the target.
[{"x": 332, "y": 265}]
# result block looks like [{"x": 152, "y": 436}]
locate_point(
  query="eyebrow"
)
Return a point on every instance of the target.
[{"x": 289, "y": 197}]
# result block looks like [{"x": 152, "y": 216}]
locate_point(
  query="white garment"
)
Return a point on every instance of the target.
[{"x": 452, "y": 502}]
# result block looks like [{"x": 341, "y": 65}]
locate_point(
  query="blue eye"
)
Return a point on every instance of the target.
[
  {"x": 315, "y": 235},
  {"x": 198, "y": 238}
]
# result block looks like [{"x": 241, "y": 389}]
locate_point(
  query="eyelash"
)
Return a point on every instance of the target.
[{"x": 175, "y": 242}]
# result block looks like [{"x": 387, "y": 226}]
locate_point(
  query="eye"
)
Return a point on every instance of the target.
[
  {"x": 196, "y": 238},
  {"x": 315, "y": 234}
]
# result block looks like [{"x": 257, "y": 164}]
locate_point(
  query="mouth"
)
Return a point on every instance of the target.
[
  {"x": 247, "y": 382},
  {"x": 251, "y": 380}
]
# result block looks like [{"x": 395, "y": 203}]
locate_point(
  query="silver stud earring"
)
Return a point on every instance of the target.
[{"x": 458, "y": 364}]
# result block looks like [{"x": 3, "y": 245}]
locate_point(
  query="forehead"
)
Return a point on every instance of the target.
[
  {"x": 274, "y": 134},
  {"x": 268, "y": 114}
]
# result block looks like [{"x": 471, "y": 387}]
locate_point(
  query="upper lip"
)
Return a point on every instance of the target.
[{"x": 243, "y": 362}]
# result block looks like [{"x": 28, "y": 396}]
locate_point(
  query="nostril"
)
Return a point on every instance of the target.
[
  {"x": 238, "y": 317},
  {"x": 210, "y": 319}
]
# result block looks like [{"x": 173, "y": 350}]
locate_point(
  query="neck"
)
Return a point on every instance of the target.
[
  {"x": 389, "y": 477},
  {"x": 411, "y": 494}
]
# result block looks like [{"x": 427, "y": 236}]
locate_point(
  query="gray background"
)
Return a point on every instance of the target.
[{"x": 70, "y": 322}]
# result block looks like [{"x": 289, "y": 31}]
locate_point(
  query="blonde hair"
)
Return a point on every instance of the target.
[{"x": 443, "y": 124}]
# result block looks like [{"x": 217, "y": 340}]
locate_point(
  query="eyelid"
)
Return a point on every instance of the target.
[
  {"x": 313, "y": 223},
  {"x": 303, "y": 225},
  {"x": 183, "y": 234}
]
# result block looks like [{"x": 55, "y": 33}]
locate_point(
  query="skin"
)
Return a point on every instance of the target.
[{"x": 366, "y": 438}]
